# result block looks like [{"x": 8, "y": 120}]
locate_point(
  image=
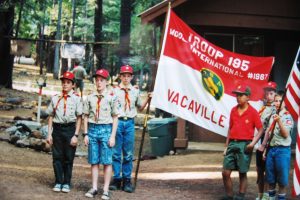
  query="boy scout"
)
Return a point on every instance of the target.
[
  {"x": 279, "y": 151},
  {"x": 123, "y": 152},
  {"x": 65, "y": 112},
  {"x": 265, "y": 113},
  {"x": 100, "y": 125},
  {"x": 240, "y": 142}
]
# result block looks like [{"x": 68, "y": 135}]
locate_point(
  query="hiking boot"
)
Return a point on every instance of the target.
[
  {"x": 57, "y": 187},
  {"x": 91, "y": 193},
  {"x": 127, "y": 186},
  {"x": 65, "y": 188},
  {"x": 116, "y": 184},
  {"x": 105, "y": 196}
]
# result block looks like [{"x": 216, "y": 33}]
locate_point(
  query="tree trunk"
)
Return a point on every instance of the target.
[
  {"x": 125, "y": 23},
  {"x": 57, "y": 45},
  {"x": 7, "y": 60},
  {"x": 98, "y": 20}
]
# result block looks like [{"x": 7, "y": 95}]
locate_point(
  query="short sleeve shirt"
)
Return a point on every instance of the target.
[
  {"x": 108, "y": 107},
  {"x": 288, "y": 123},
  {"x": 265, "y": 114},
  {"x": 241, "y": 127},
  {"x": 128, "y": 109},
  {"x": 65, "y": 110}
]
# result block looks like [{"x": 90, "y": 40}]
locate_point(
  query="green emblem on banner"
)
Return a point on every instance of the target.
[{"x": 212, "y": 83}]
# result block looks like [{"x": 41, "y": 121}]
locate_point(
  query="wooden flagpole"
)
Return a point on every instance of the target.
[{"x": 149, "y": 102}]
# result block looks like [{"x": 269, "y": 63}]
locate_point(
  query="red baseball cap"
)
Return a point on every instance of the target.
[
  {"x": 102, "y": 72},
  {"x": 270, "y": 86},
  {"x": 67, "y": 75},
  {"x": 242, "y": 89},
  {"x": 126, "y": 69}
]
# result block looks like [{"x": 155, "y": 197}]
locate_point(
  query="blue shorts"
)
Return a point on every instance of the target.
[
  {"x": 99, "y": 151},
  {"x": 278, "y": 165}
]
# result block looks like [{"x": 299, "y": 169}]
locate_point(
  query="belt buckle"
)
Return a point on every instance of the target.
[{"x": 125, "y": 118}]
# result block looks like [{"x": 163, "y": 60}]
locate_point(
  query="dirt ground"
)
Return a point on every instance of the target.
[{"x": 190, "y": 174}]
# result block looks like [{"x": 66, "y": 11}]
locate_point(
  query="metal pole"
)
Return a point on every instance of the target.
[{"x": 39, "y": 104}]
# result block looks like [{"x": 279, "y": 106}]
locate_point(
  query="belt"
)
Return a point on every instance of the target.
[
  {"x": 236, "y": 140},
  {"x": 281, "y": 146},
  {"x": 65, "y": 124},
  {"x": 125, "y": 118}
]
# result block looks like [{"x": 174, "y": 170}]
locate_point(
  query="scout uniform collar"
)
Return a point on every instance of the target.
[{"x": 122, "y": 86}]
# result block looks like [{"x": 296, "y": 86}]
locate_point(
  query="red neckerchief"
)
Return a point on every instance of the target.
[
  {"x": 127, "y": 99},
  {"x": 98, "y": 107},
  {"x": 65, "y": 97}
]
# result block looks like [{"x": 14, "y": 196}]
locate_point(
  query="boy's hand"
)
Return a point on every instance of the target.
[
  {"x": 49, "y": 139},
  {"x": 74, "y": 141},
  {"x": 86, "y": 140},
  {"x": 225, "y": 151},
  {"x": 249, "y": 148},
  {"x": 111, "y": 142},
  {"x": 261, "y": 148}
]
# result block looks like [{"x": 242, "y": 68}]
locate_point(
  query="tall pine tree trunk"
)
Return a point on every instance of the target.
[
  {"x": 98, "y": 20},
  {"x": 125, "y": 23},
  {"x": 6, "y": 60},
  {"x": 57, "y": 45}
]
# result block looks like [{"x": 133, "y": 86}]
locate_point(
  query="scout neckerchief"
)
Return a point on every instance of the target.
[
  {"x": 65, "y": 97},
  {"x": 99, "y": 98},
  {"x": 263, "y": 108},
  {"x": 127, "y": 100}
]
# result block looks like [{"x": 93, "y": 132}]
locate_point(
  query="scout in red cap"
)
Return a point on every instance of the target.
[
  {"x": 65, "y": 114},
  {"x": 68, "y": 75},
  {"x": 102, "y": 72},
  {"x": 265, "y": 113},
  {"x": 101, "y": 110},
  {"x": 242, "y": 89},
  {"x": 126, "y": 69}
]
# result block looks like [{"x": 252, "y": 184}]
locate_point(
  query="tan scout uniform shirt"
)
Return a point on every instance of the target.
[
  {"x": 288, "y": 123},
  {"x": 107, "y": 107},
  {"x": 265, "y": 114},
  {"x": 128, "y": 109},
  {"x": 65, "y": 111}
]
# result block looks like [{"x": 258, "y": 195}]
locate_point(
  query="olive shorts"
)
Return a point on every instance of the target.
[{"x": 236, "y": 158}]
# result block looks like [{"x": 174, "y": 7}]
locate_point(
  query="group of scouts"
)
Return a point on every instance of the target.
[
  {"x": 274, "y": 126},
  {"x": 108, "y": 130},
  {"x": 108, "y": 125}
]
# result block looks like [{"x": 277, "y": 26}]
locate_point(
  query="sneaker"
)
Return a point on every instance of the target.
[
  {"x": 91, "y": 193},
  {"x": 65, "y": 188},
  {"x": 265, "y": 196},
  {"x": 127, "y": 187},
  {"x": 57, "y": 187},
  {"x": 105, "y": 196},
  {"x": 116, "y": 184}
]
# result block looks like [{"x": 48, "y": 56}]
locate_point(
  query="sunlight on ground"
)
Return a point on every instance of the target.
[{"x": 189, "y": 175}]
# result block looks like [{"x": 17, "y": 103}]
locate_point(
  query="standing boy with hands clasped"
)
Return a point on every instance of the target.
[{"x": 65, "y": 112}]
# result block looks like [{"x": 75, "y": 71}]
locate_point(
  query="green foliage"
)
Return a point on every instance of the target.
[{"x": 44, "y": 12}]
